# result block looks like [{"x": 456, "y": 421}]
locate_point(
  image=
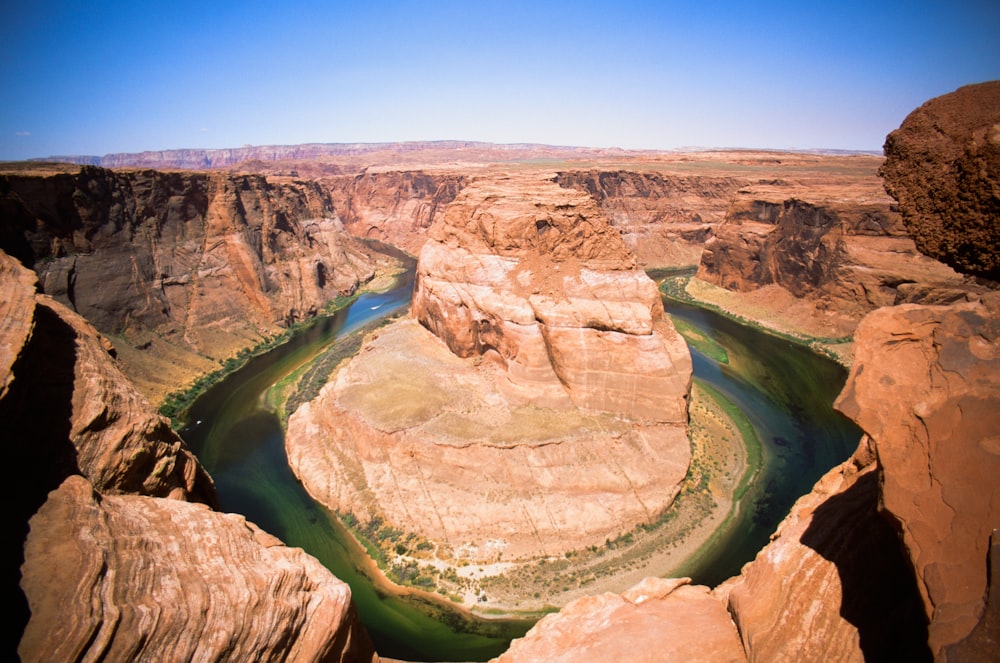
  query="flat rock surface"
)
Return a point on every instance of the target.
[{"x": 414, "y": 434}]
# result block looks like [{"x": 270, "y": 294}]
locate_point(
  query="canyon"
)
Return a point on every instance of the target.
[{"x": 888, "y": 558}]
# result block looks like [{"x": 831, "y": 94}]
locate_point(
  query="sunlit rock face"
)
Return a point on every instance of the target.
[
  {"x": 181, "y": 267},
  {"x": 546, "y": 412},
  {"x": 533, "y": 274},
  {"x": 128, "y": 577},
  {"x": 926, "y": 387}
]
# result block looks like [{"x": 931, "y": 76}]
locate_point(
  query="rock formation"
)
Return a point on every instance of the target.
[
  {"x": 926, "y": 388},
  {"x": 126, "y": 577},
  {"x": 943, "y": 166},
  {"x": 532, "y": 274},
  {"x": 546, "y": 413},
  {"x": 111, "y": 569},
  {"x": 890, "y": 555},
  {"x": 395, "y": 206},
  {"x": 181, "y": 265},
  {"x": 657, "y": 620},
  {"x": 664, "y": 218},
  {"x": 846, "y": 256}
]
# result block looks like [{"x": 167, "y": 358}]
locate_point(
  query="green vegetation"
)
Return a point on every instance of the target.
[{"x": 176, "y": 404}]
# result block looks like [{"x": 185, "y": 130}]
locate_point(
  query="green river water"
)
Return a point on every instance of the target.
[{"x": 785, "y": 390}]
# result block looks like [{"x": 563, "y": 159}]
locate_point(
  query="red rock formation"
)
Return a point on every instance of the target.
[
  {"x": 396, "y": 207},
  {"x": 657, "y": 620},
  {"x": 664, "y": 218},
  {"x": 532, "y": 273},
  {"x": 848, "y": 256},
  {"x": 552, "y": 417},
  {"x": 943, "y": 166},
  {"x": 204, "y": 263},
  {"x": 926, "y": 387},
  {"x": 136, "y": 578}
]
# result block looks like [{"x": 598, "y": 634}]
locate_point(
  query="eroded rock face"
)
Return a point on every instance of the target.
[
  {"x": 657, "y": 620},
  {"x": 203, "y": 262},
  {"x": 393, "y": 206},
  {"x": 926, "y": 387},
  {"x": 848, "y": 257},
  {"x": 128, "y": 577},
  {"x": 664, "y": 219},
  {"x": 943, "y": 166},
  {"x": 547, "y": 411},
  {"x": 834, "y": 584},
  {"x": 532, "y": 273}
]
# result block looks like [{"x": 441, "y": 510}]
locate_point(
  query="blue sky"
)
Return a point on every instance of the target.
[{"x": 97, "y": 78}]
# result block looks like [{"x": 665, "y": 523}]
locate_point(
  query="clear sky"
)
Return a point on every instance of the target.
[{"x": 103, "y": 77}]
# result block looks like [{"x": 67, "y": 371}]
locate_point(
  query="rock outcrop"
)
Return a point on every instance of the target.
[
  {"x": 845, "y": 256},
  {"x": 395, "y": 206},
  {"x": 548, "y": 410},
  {"x": 926, "y": 388},
  {"x": 112, "y": 569},
  {"x": 126, "y": 577},
  {"x": 664, "y": 218},
  {"x": 532, "y": 274},
  {"x": 181, "y": 265},
  {"x": 943, "y": 166},
  {"x": 654, "y": 621}
]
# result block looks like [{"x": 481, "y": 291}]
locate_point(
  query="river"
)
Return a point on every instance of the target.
[{"x": 785, "y": 390}]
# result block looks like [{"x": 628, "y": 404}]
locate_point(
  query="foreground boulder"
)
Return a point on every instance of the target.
[
  {"x": 127, "y": 577},
  {"x": 943, "y": 166}
]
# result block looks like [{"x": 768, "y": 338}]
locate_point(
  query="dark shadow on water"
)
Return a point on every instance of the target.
[{"x": 880, "y": 595}]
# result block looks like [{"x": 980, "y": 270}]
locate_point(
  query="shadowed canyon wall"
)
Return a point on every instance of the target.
[{"x": 186, "y": 267}]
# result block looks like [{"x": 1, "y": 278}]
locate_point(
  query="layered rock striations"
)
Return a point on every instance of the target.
[
  {"x": 547, "y": 412},
  {"x": 845, "y": 256},
  {"x": 393, "y": 206},
  {"x": 664, "y": 218},
  {"x": 891, "y": 555},
  {"x": 195, "y": 265},
  {"x": 111, "y": 568},
  {"x": 533, "y": 274},
  {"x": 125, "y": 577}
]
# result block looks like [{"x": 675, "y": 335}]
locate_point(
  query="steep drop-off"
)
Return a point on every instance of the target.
[{"x": 181, "y": 268}]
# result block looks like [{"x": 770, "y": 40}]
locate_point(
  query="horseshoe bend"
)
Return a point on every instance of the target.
[{"x": 536, "y": 402}]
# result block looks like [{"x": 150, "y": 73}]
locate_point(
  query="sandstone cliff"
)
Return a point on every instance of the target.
[
  {"x": 395, "y": 206},
  {"x": 547, "y": 412},
  {"x": 664, "y": 218},
  {"x": 943, "y": 166},
  {"x": 111, "y": 569},
  {"x": 844, "y": 256},
  {"x": 184, "y": 266},
  {"x": 127, "y": 577},
  {"x": 891, "y": 554}
]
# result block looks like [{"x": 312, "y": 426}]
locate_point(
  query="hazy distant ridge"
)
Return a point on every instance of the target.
[{"x": 197, "y": 158}]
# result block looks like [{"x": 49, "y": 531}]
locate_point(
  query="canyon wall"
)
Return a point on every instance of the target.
[
  {"x": 664, "y": 218},
  {"x": 849, "y": 256},
  {"x": 118, "y": 562},
  {"x": 393, "y": 206},
  {"x": 892, "y": 555},
  {"x": 186, "y": 267}
]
